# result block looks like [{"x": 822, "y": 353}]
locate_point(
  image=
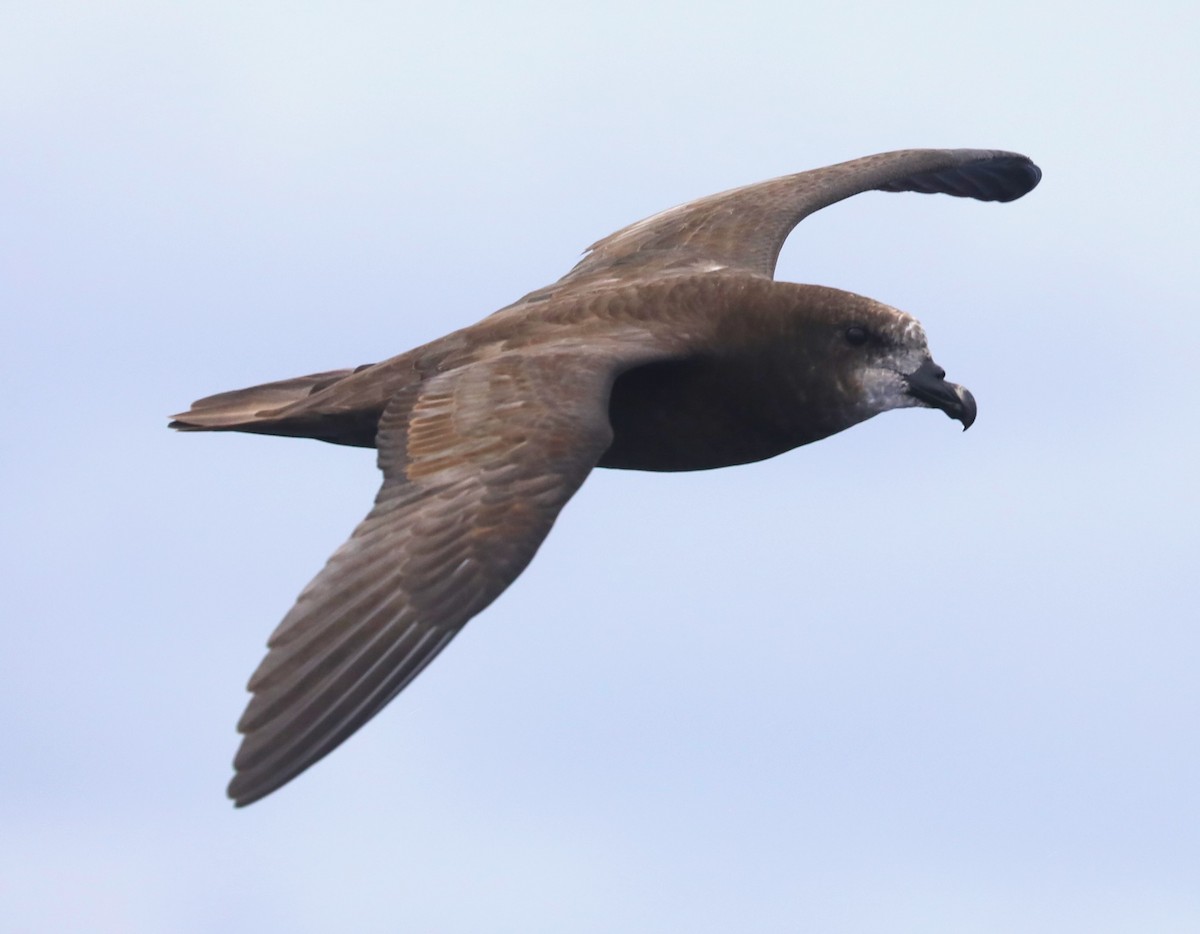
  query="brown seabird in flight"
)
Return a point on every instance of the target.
[{"x": 668, "y": 347}]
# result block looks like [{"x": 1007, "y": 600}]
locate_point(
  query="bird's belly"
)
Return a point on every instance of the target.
[
  {"x": 670, "y": 450},
  {"x": 683, "y": 416}
]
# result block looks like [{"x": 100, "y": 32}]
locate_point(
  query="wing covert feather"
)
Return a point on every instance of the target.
[
  {"x": 477, "y": 464},
  {"x": 745, "y": 228}
]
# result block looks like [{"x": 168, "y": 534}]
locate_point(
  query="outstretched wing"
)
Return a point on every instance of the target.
[
  {"x": 477, "y": 463},
  {"x": 744, "y": 229}
]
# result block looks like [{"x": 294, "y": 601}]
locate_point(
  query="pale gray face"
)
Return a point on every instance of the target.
[{"x": 887, "y": 363}]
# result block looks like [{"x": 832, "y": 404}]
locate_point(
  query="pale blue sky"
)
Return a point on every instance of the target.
[{"x": 907, "y": 679}]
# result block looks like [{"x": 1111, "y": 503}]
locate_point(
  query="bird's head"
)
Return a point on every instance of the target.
[{"x": 881, "y": 358}]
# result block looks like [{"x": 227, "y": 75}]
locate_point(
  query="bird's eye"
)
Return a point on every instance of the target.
[{"x": 856, "y": 336}]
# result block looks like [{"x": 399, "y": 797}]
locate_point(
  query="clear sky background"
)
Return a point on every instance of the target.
[{"x": 906, "y": 679}]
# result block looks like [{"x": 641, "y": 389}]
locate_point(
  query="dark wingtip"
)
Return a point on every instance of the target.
[
  {"x": 243, "y": 793},
  {"x": 1016, "y": 176},
  {"x": 998, "y": 176}
]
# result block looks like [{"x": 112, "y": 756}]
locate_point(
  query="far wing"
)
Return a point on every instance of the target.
[
  {"x": 477, "y": 463},
  {"x": 744, "y": 229}
]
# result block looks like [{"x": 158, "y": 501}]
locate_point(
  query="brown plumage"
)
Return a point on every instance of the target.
[{"x": 668, "y": 347}]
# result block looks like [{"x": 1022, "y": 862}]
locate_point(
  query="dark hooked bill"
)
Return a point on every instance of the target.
[{"x": 928, "y": 384}]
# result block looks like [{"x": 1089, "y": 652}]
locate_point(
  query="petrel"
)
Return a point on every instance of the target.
[{"x": 669, "y": 346}]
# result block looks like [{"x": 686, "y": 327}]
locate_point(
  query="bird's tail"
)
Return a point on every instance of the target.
[{"x": 255, "y": 408}]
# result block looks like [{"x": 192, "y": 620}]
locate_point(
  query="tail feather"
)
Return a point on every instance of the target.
[{"x": 245, "y": 409}]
